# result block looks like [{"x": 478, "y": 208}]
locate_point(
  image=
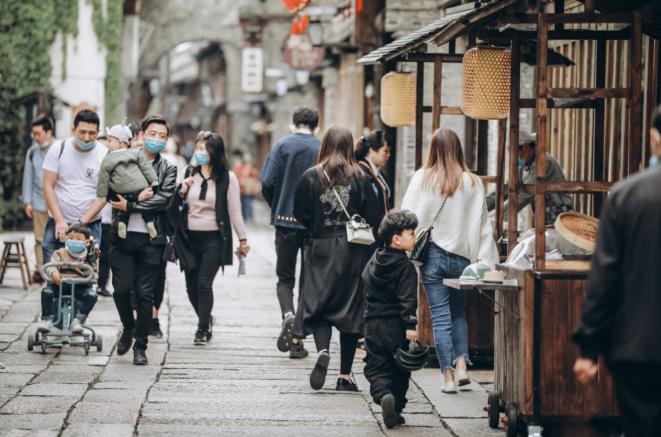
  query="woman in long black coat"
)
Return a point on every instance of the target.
[
  {"x": 373, "y": 153},
  {"x": 332, "y": 294}
]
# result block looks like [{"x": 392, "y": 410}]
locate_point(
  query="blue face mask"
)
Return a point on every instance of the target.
[
  {"x": 75, "y": 247},
  {"x": 85, "y": 146},
  {"x": 654, "y": 161},
  {"x": 154, "y": 146},
  {"x": 202, "y": 158},
  {"x": 522, "y": 162}
]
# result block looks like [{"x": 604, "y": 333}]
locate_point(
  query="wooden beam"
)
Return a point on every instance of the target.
[
  {"x": 599, "y": 125},
  {"x": 566, "y": 18},
  {"x": 568, "y": 187},
  {"x": 419, "y": 95},
  {"x": 595, "y": 93},
  {"x": 562, "y": 104},
  {"x": 451, "y": 110},
  {"x": 542, "y": 135},
  {"x": 635, "y": 103},
  {"x": 488, "y": 179},
  {"x": 558, "y": 35},
  {"x": 589, "y": 5},
  {"x": 500, "y": 177},
  {"x": 431, "y": 57},
  {"x": 436, "y": 107},
  {"x": 482, "y": 146},
  {"x": 515, "y": 92}
]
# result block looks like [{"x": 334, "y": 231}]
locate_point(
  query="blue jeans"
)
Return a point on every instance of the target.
[
  {"x": 448, "y": 305},
  {"x": 85, "y": 296},
  {"x": 50, "y": 244}
]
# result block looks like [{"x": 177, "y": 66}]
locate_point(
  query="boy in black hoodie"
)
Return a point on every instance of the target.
[{"x": 391, "y": 287}]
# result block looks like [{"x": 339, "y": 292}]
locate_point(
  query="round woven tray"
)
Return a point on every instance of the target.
[{"x": 578, "y": 229}]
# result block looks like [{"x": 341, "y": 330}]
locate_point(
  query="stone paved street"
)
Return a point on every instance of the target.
[{"x": 238, "y": 385}]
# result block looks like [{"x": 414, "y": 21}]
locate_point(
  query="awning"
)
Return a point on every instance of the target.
[{"x": 440, "y": 31}]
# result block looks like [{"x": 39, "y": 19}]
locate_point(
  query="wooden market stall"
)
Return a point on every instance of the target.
[{"x": 593, "y": 114}]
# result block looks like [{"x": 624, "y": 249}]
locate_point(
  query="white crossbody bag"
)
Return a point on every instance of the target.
[{"x": 358, "y": 231}]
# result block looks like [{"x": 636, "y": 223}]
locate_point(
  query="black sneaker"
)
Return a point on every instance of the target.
[
  {"x": 284, "y": 339},
  {"x": 103, "y": 292},
  {"x": 344, "y": 385},
  {"x": 318, "y": 375},
  {"x": 390, "y": 416},
  {"x": 125, "y": 341},
  {"x": 298, "y": 351},
  {"x": 201, "y": 337},
  {"x": 156, "y": 329},
  {"x": 139, "y": 357},
  {"x": 210, "y": 332},
  {"x": 401, "y": 420}
]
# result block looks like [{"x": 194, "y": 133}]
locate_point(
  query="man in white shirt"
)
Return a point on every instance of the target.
[{"x": 70, "y": 176}]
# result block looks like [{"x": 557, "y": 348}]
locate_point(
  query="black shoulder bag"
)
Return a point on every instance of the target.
[{"x": 419, "y": 253}]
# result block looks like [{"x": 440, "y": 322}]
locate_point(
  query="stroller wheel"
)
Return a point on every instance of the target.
[
  {"x": 30, "y": 342},
  {"x": 99, "y": 343}
]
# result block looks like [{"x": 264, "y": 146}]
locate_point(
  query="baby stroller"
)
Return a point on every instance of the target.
[{"x": 66, "y": 310}]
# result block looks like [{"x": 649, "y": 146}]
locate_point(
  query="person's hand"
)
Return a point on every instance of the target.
[
  {"x": 411, "y": 335},
  {"x": 61, "y": 228},
  {"x": 146, "y": 194},
  {"x": 243, "y": 248},
  {"x": 121, "y": 204},
  {"x": 585, "y": 370},
  {"x": 185, "y": 185},
  {"x": 56, "y": 278},
  {"x": 28, "y": 211}
]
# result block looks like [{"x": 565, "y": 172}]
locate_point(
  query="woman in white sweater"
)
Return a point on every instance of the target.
[{"x": 461, "y": 235}]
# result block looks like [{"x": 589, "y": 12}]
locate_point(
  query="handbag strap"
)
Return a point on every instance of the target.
[
  {"x": 438, "y": 213},
  {"x": 338, "y": 197}
]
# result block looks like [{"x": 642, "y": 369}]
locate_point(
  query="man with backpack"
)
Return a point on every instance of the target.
[{"x": 33, "y": 194}]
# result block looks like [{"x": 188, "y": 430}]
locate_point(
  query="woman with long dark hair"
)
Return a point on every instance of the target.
[
  {"x": 373, "y": 153},
  {"x": 332, "y": 295},
  {"x": 445, "y": 192},
  {"x": 214, "y": 208}
]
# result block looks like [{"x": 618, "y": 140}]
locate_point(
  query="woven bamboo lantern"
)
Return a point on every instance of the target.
[
  {"x": 486, "y": 83},
  {"x": 398, "y": 99}
]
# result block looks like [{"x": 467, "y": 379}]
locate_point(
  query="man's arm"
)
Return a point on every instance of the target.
[
  {"x": 28, "y": 181},
  {"x": 604, "y": 284},
  {"x": 269, "y": 177},
  {"x": 160, "y": 200},
  {"x": 50, "y": 179},
  {"x": 94, "y": 210}
]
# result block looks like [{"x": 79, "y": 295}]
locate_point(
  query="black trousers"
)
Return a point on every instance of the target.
[
  {"x": 159, "y": 288},
  {"x": 199, "y": 282},
  {"x": 638, "y": 392},
  {"x": 322, "y": 334},
  {"x": 382, "y": 338},
  {"x": 104, "y": 258},
  {"x": 135, "y": 264},
  {"x": 288, "y": 242}
]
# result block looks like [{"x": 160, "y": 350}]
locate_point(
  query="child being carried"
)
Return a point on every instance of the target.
[{"x": 126, "y": 172}]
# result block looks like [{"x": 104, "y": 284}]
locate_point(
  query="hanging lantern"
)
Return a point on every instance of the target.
[
  {"x": 486, "y": 83},
  {"x": 398, "y": 99},
  {"x": 294, "y": 6}
]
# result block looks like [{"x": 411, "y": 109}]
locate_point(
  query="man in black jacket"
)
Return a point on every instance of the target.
[
  {"x": 622, "y": 308},
  {"x": 391, "y": 295},
  {"x": 136, "y": 260},
  {"x": 286, "y": 163}
]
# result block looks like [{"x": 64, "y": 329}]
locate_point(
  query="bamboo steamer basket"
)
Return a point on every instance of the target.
[{"x": 578, "y": 229}]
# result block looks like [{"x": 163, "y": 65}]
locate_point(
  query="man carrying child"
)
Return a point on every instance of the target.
[
  {"x": 391, "y": 286},
  {"x": 78, "y": 248}
]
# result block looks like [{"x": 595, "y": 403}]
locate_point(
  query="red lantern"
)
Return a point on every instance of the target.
[{"x": 294, "y": 6}]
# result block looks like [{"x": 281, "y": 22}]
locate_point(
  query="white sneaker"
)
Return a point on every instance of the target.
[
  {"x": 450, "y": 387},
  {"x": 76, "y": 327},
  {"x": 45, "y": 325}
]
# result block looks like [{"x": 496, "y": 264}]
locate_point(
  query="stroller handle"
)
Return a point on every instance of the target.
[{"x": 87, "y": 270}]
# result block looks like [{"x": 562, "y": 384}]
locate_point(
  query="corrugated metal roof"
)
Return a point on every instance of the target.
[{"x": 458, "y": 22}]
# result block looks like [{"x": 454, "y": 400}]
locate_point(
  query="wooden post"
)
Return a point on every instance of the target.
[
  {"x": 482, "y": 146},
  {"x": 635, "y": 101},
  {"x": 599, "y": 124},
  {"x": 500, "y": 176},
  {"x": 542, "y": 136},
  {"x": 419, "y": 95},
  {"x": 515, "y": 90},
  {"x": 436, "y": 106}
]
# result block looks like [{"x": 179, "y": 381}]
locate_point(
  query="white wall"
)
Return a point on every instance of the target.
[{"x": 86, "y": 70}]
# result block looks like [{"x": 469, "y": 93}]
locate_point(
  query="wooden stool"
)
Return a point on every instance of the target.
[{"x": 16, "y": 259}]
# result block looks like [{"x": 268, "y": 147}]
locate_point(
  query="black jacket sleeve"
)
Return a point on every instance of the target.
[
  {"x": 160, "y": 200},
  {"x": 604, "y": 285},
  {"x": 270, "y": 176},
  {"x": 408, "y": 295},
  {"x": 369, "y": 203},
  {"x": 303, "y": 202}
]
